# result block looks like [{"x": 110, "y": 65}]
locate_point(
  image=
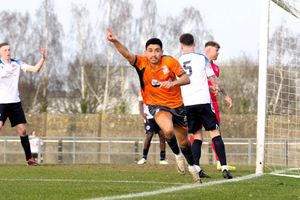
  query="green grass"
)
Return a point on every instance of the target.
[{"x": 63, "y": 182}]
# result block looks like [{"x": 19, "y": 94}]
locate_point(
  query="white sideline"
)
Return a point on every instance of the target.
[
  {"x": 280, "y": 173},
  {"x": 179, "y": 188}
]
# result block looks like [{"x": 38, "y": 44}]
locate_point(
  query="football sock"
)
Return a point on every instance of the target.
[
  {"x": 173, "y": 145},
  {"x": 162, "y": 155},
  {"x": 145, "y": 153},
  {"x": 26, "y": 146},
  {"x": 187, "y": 152},
  {"x": 214, "y": 149},
  {"x": 196, "y": 149},
  {"x": 220, "y": 149}
]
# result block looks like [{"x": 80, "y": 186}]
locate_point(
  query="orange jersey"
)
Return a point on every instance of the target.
[{"x": 150, "y": 76}]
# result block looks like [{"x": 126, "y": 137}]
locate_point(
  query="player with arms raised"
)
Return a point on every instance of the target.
[{"x": 10, "y": 103}]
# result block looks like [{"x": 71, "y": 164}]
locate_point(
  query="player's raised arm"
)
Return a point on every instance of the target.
[
  {"x": 120, "y": 47},
  {"x": 38, "y": 66}
]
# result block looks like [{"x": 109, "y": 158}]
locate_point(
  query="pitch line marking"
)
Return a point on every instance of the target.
[
  {"x": 86, "y": 181},
  {"x": 281, "y": 173},
  {"x": 176, "y": 189}
]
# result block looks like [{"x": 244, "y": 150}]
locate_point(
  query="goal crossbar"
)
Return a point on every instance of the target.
[{"x": 288, "y": 7}]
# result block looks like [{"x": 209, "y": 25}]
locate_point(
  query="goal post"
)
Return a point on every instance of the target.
[
  {"x": 285, "y": 5},
  {"x": 262, "y": 85},
  {"x": 278, "y": 109}
]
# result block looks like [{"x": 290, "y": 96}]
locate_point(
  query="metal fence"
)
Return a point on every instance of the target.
[{"x": 126, "y": 150}]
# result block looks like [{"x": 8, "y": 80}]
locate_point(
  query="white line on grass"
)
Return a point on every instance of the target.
[
  {"x": 86, "y": 181},
  {"x": 175, "y": 189},
  {"x": 282, "y": 173},
  {"x": 286, "y": 175}
]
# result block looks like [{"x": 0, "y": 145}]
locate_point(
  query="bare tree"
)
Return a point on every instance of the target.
[
  {"x": 148, "y": 21},
  {"x": 17, "y": 30},
  {"x": 49, "y": 34},
  {"x": 85, "y": 45},
  {"x": 93, "y": 82},
  {"x": 188, "y": 21},
  {"x": 116, "y": 15},
  {"x": 239, "y": 77}
]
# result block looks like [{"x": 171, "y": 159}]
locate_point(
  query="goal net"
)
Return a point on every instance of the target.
[{"x": 282, "y": 93}]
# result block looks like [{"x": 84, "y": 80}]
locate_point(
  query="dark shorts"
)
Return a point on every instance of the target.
[
  {"x": 179, "y": 114},
  {"x": 201, "y": 115},
  {"x": 151, "y": 126},
  {"x": 14, "y": 112}
]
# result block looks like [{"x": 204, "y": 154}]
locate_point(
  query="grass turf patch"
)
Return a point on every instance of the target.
[{"x": 92, "y": 181}]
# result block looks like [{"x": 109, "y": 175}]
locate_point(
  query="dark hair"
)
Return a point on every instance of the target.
[
  {"x": 3, "y": 44},
  {"x": 187, "y": 39},
  {"x": 212, "y": 44},
  {"x": 154, "y": 41}
]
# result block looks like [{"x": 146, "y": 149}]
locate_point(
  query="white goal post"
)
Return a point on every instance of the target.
[
  {"x": 262, "y": 85},
  {"x": 278, "y": 124},
  {"x": 288, "y": 7}
]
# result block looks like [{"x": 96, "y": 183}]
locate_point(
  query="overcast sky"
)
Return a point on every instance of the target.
[{"x": 233, "y": 23}]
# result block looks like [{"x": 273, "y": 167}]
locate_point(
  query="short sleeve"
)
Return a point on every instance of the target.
[
  {"x": 23, "y": 65},
  {"x": 139, "y": 62},
  {"x": 176, "y": 67}
]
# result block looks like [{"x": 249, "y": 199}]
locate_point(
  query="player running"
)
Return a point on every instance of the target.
[{"x": 161, "y": 92}]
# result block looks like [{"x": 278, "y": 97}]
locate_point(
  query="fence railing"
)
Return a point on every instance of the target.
[{"x": 88, "y": 150}]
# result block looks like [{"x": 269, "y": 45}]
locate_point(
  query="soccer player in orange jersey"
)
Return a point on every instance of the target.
[{"x": 161, "y": 92}]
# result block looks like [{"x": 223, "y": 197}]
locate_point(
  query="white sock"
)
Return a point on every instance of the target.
[
  {"x": 192, "y": 168},
  {"x": 223, "y": 167},
  {"x": 198, "y": 168},
  {"x": 179, "y": 155}
]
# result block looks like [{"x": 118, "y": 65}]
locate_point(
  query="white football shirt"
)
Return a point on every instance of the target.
[
  {"x": 9, "y": 80},
  {"x": 35, "y": 144},
  {"x": 146, "y": 109},
  {"x": 197, "y": 67}
]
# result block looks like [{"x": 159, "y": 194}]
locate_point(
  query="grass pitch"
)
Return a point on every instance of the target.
[{"x": 64, "y": 182}]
